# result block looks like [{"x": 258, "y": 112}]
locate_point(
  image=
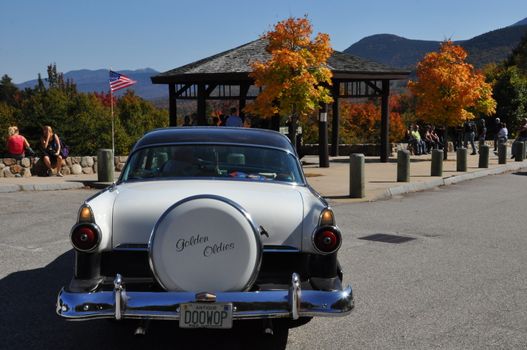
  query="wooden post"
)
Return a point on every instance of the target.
[
  {"x": 323, "y": 157},
  {"x": 172, "y": 107},
  {"x": 385, "y": 121},
  {"x": 335, "y": 92},
  {"x": 202, "y": 105},
  {"x": 244, "y": 88}
]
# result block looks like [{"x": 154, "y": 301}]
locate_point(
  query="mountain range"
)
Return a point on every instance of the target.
[
  {"x": 399, "y": 52},
  {"x": 97, "y": 81},
  {"x": 392, "y": 50}
]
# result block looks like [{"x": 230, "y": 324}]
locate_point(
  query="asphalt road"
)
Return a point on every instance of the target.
[{"x": 460, "y": 283}]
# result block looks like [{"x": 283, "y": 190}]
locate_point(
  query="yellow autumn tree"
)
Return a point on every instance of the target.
[
  {"x": 295, "y": 77},
  {"x": 449, "y": 90}
]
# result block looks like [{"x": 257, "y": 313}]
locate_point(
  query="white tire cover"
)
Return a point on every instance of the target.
[{"x": 205, "y": 243}]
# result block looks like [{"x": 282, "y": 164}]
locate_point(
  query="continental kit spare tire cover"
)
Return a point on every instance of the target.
[{"x": 205, "y": 243}]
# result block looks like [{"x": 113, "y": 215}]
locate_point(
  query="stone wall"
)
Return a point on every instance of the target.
[
  {"x": 372, "y": 150},
  {"x": 34, "y": 166}
]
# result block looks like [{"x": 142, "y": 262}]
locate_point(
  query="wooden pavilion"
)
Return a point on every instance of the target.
[{"x": 225, "y": 76}]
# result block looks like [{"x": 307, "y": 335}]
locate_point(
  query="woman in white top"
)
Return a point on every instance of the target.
[{"x": 503, "y": 134}]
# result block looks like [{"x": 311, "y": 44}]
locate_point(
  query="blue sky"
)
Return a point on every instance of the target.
[{"x": 165, "y": 34}]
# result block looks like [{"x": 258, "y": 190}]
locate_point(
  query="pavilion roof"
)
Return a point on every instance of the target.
[{"x": 235, "y": 65}]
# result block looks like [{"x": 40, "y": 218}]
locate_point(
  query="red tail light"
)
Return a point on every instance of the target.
[
  {"x": 85, "y": 237},
  {"x": 327, "y": 239}
]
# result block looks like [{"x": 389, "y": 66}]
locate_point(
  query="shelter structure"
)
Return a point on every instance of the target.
[{"x": 225, "y": 76}]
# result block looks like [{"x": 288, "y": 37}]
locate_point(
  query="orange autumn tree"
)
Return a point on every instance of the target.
[
  {"x": 361, "y": 122},
  {"x": 449, "y": 90},
  {"x": 295, "y": 77}
]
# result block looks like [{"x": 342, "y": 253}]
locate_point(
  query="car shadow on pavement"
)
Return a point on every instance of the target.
[{"x": 29, "y": 321}]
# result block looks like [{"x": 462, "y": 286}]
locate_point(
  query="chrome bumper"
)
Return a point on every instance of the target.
[{"x": 122, "y": 304}]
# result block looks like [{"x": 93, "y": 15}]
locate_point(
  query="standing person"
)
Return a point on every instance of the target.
[
  {"x": 17, "y": 144},
  {"x": 437, "y": 139},
  {"x": 186, "y": 121},
  {"x": 482, "y": 136},
  {"x": 497, "y": 128},
  {"x": 522, "y": 131},
  {"x": 503, "y": 135},
  {"x": 470, "y": 135},
  {"x": 234, "y": 119},
  {"x": 50, "y": 146},
  {"x": 459, "y": 136}
]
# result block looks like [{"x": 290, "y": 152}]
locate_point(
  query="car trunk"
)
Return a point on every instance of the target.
[{"x": 278, "y": 208}]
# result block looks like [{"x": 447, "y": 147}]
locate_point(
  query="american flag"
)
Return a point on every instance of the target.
[{"x": 119, "y": 81}]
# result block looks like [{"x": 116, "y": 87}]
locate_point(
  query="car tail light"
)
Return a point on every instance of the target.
[
  {"x": 327, "y": 239},
  {"x": 85, "y": 237},
  {"x": 327, "y": 218}
]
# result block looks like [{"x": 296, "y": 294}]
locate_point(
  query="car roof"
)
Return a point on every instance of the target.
[{"x": 215, "y": 135}]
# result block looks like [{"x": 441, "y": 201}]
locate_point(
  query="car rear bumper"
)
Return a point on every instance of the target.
[{"x": 123, "y": 304}]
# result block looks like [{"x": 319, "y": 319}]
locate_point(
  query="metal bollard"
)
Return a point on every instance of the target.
[
  {"x": 502, "y": 153},
  {"x": 484, "y": 156},
  {"x": 403, "y": 166},
  {"x": 437, "y": 163},
  {"x": 105, "y": 165},
  {"x": 461, "y": 159},
  {"x": 518, "y": 148},
  {"x": 357, "y": 175}
]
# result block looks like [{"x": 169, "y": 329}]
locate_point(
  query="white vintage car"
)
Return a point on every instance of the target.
[{"x": 207, "y": 226}]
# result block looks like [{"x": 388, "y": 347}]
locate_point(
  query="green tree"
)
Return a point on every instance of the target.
[
  {"x": 518, "y": 57},
  {"x": 8, "y": 90},
  {"x": 134, "y": 117},
  {"x": 510, "y": 92}
]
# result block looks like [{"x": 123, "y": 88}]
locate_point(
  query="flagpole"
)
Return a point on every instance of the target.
[{"x": 113, "y": 123}]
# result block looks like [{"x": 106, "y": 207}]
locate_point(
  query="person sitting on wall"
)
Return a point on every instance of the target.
[
  {"x": 419, "y": 145},
  {"x": 17, "y": 144},
  {"x": 50, "y": 146},
  {"x": 429, "y": 140}
]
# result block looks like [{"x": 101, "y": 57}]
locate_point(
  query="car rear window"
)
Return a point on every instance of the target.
[{"x": 213, "y": 161}]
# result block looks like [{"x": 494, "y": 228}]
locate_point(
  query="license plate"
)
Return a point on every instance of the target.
[{"x": 206, "y": 315}]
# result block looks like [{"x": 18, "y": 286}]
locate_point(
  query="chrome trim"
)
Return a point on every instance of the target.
[
  {"x": 118, "y": 289},
  {"x": 236, "y": 206},
  {"x": 335, "y": 229},
  {"x": 295, "y": 296},
  {"x": 95, "y": 227},
  {"x": 140, "y": 247},
  {"x": 131, "y": 247},
  {"x": 165, "y": 305},
  {"x": 280, "y": 249}
]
